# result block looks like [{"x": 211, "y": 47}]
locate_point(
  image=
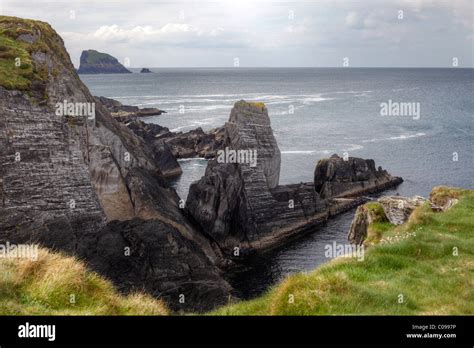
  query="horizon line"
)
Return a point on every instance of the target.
[{"x": 301, "y": 67}]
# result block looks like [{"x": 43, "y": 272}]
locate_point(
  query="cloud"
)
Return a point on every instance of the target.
[
  {"x": 354, "y": 20},
  {"x": 261, "y": 32},
  {"x": 168, "y": 33}
]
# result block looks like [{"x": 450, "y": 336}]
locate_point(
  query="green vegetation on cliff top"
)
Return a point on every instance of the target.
[
  {"x": 19, "y": 40},
  {"x": 94, "y": 57},
  {"x": 423, "y": 267}
]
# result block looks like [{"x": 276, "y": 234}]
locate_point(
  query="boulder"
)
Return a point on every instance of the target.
[
  {"x": 443, "y": 198},
  {"x": 398, "y": 209}
]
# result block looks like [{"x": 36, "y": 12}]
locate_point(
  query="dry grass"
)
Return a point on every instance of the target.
[{"x": 46, "y": 286}]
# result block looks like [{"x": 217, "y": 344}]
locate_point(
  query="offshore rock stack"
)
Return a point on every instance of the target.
[{"x": 242, "y": 207}]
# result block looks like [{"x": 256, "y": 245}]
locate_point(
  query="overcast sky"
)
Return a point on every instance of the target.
[{"x": 371, "y": 33}]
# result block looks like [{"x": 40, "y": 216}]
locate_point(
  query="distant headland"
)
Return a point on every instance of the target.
[{"x": 95, "y": 62}]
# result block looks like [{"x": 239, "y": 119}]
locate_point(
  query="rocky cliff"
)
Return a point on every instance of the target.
[
  {"x": 66, "y": 176},
  {"x": 94, "y": 62}
]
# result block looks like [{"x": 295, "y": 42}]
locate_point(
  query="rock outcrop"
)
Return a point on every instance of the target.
[
  {"x": 146, "y": 71},
  {"x": 398, "y": 209},
  {"x": 126, "y": 112},
  {"x": 194, "y": 143},
  {"x": 68, "y": 178},
  {"x": 339, "y": 177},
  {"x": 365, "y": 215},
  {"x": 94, "y": 62},
  {"x": 443, "y": 198},
  {"x": 241, "y": 205}
]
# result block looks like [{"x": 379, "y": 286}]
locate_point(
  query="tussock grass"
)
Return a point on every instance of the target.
[
  {"x": 45, "y": 286},
  {"x": 414, "y": 263},
  {"x": 13, "y": 46}
]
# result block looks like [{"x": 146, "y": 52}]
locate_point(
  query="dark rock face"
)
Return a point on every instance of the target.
[
  {"x": 152, "y": 255},
  {"x": 94, "y": 62},
  {"x": 65, "y": 179},
  {"x": 126, "y": 112},
  {"x": 241, "y": 205},
  {"x": 195, "y": 143},
  {"x": 46, "y": 191},
  {"x": 146, "y": 71},
  {"x": 336, "y": 177},
  {"x": 358, "y": 230}
]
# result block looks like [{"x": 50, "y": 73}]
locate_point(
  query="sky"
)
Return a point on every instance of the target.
[{"x": 272, "y": 33}]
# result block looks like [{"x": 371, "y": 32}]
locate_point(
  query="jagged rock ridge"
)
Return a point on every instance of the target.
[{"x": 243, "y": 206}]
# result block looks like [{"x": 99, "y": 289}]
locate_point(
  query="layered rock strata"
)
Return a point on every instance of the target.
[
  {"x": 398, "y": 209},
  {"x": 340, "y": 177},
  {"x": 241, "y": 205},
  {"x": 74, "y": 182},
  {"x": 126, "y": 112}
]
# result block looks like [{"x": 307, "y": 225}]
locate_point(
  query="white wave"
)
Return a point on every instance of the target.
[
  {"x": 398, "y": 137},
  {"x": 353, "y": 147},
  {"x": 404, "y": 136},
  {"x": 299, "y": 151},
  {"x": 315, "y": 99},
  {"x": 192, "y": 159},
  {"x": 306, "y": 152}
]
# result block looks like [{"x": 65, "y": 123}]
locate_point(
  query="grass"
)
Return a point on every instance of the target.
[
  {"x": 423, "y": 267},
  {"x": 380, "y": 224},
  {"x": 94, "y": 57},
  {"x": 44, "y": 287},
  {"x": 18, "y": 71},
  {"x": 11, "y": 75}
]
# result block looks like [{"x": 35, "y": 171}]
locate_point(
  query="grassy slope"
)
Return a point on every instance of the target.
[
  {"x": 44, "y": 286},
  {"x": 421, "y": 267},
  {"x": 22, "y": 77}
]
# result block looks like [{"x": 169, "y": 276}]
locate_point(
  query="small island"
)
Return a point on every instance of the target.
[
  {"x": 95, "y": 62},
  {"x": 146, "y": 71}
]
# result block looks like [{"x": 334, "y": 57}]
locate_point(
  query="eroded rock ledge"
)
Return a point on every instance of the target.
[
  {"x": 243, "y": 207},
  {"x": 123, "y": 112}
]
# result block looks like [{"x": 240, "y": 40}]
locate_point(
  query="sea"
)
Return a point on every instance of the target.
[{"x": 415, "y": 123}]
